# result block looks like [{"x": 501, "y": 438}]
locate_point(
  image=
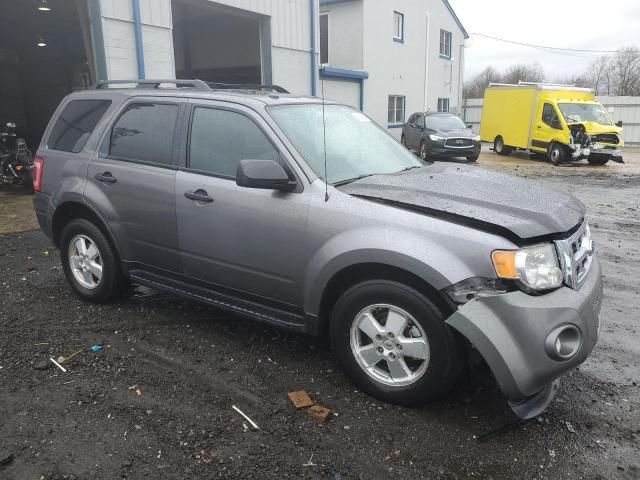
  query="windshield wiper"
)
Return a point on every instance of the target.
[
  {"x": 350, "y": 180},
  {"x": 411, "y": 168}
]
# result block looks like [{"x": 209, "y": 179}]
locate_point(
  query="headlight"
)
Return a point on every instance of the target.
[
  {"x": 435, "y": 138},
  {"x": 476, "y": 138},
  {"x": 535, "y": 267}
]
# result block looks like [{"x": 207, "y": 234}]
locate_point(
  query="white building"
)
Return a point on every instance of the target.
[
  {"x": 392, "y": 58},
  {"x": 370, "y": 53}
]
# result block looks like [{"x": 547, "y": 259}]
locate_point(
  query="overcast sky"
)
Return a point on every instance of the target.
[{"x": 580, "y": 24}]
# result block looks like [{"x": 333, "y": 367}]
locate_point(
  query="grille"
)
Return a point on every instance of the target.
[
  {"x": 611, "y": 138},
  {"x": 458, "y": 142},
  {"x": 576, "y": 255}
]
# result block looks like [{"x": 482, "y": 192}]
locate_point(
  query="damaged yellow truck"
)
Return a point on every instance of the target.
[{"x": 565, "y": 123}]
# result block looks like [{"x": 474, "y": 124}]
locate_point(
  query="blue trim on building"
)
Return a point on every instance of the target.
[
  {"x": 347, "y": 76},
  {"x": 137, "y": 25},
  {"x": 314, "y": 50},
  {"x": 455, "y": 17},
  {"x": 328, "y": 2},
  {"x": 343, "y": 73},
  {"x": 396, "y": 125}
]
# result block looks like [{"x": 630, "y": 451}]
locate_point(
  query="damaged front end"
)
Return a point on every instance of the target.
[{"x": 585, "y": 145}]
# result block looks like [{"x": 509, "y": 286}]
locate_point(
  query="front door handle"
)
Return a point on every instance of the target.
[
  {"x": 105, "y": 177},
  {"x": 199, "y": 196}
]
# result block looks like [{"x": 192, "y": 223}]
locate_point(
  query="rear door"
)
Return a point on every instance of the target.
[
  {"x": 131, "y": 182},
  {"x": 249, "y": 240}
]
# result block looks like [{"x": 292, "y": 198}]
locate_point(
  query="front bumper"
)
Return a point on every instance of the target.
[
  {"x": 438, "y": 148},
  {"x": 510, "y": 331}
]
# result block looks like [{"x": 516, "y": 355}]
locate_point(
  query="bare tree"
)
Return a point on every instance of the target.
[
  {"x": 598, "y": 76},
  {"x": 625, "y": 71},
  {"x": 526, "y": 73},
  {"x": 475, "y": 87}
]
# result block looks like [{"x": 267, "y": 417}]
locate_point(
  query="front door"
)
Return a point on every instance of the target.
[
  {"x": 546, "y": 127},
  {"x": 131, "y": 183},
  {"x": 251, "y": 241}
]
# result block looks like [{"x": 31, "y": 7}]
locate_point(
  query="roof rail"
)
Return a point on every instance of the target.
[
  {"x": 545, "y": 84},
  {"x": 153, "y": 84},
  {"x": 246, "y": 86}
]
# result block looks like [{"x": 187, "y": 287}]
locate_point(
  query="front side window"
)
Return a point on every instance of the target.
[
  {"x": 443, "y": 105},
  {"x": 324, "y": 38},
  {"x": 355, "y": 145},
  {"x": 221, "y": 138},
  {"x": 550, "y": 116},
  {"x": 145, "y": 132},
  {"x": 396, "y": 110},
  {"x": 398, "y": 26},
  {"x": 75, "y": 124},
  {"x": 445, "y": 44}
]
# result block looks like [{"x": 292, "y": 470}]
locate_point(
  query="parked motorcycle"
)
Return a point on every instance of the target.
[{"x": 16, "y": 160}]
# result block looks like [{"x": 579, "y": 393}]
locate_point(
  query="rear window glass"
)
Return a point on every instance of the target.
[
  {"x": 145, "y": 132},
  {"x": 75, "y": 124}
]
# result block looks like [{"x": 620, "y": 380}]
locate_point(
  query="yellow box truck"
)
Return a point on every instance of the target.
[{"x": 563, "y": 122}]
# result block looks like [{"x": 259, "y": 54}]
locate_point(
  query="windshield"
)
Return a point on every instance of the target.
[
  {"x": 356, "y": 146},
  {"x": 444, "y": 122},
  {"x": 585, "y": 112}
]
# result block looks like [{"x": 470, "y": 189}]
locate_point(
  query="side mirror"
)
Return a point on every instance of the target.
[
  {"x": 469, "y": 126},
  {"x": 264, "y": 174},
  {"x": 619, "y": 123}
]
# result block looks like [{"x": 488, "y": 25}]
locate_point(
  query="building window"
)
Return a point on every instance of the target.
[
  {"x": 398, "y": 27},
  {"x": 443, "y": 104},
  {"x": 445, "y": 44},
  {"x": 396, "y": 110},
  {"x": 324, "y": 38}
]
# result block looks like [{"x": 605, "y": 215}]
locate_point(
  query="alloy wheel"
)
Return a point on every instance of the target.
[
  {"x": 390, "y": 345},
  {"x": 85, "y": 261}
]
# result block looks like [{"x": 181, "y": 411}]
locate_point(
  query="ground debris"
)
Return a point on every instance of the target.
[
  {"x": 320, "y": 413},
  {"x": 300, "y": 399}
]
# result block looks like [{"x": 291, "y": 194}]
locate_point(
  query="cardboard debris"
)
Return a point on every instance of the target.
[{"x": 300, "y": 399}]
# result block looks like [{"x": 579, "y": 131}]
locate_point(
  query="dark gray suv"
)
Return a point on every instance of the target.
[{"x": 219, "y": 195}]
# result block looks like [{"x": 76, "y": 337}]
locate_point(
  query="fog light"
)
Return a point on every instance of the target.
[{"x": 564, "y": 342}]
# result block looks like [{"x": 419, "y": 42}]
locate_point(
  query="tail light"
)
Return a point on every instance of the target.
[{"x": 38, "y": 168}]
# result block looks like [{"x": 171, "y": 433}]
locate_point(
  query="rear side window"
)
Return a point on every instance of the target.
[
  {"x": 145, "y": 132},
  {"x": 75, "y": 124},
  {"x": 220, "y": 139}
]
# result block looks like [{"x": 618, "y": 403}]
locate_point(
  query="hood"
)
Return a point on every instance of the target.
[
  {"x": 518, "y": 209},
  {"x": 594, "y": 128},
  {"x": 458, "y": 132}
]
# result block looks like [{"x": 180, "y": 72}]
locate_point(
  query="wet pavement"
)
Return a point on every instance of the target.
[{"x": 156, "y": 401}]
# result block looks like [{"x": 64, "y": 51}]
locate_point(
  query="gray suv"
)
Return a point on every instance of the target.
[{"x": 219, "y": 195}]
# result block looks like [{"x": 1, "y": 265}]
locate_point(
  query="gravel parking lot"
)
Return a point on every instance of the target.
[{"x": 156, "y": 402}]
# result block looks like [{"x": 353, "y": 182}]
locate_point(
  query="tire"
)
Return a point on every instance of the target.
[
  {"x": 111, "y": 281},
  {"x": 598, "y": 159},
  {"x": 473, "y": 158},
  {"x": 425, "y": 378},
  {"x": 422, "y": 152},
  {"x": 500, "y": 148},
  {"x": 556, "y": 154}
]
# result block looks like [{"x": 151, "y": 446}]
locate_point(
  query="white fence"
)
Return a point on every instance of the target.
[{"x": 626, "y": 109}]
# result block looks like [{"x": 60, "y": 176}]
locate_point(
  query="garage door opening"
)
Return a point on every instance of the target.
[
  {"x": 44, "y": 55},
  {"x": 219, "y": 44}
]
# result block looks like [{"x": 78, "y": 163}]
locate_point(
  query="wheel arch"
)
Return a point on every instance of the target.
[
  {"x": 356, "y": 273},
  {"x": 71, "y": 210}
]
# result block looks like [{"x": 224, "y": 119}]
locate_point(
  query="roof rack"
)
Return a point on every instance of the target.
[
  {"x": 246, "y": 86},
  {"x": 195, "y": 84}
]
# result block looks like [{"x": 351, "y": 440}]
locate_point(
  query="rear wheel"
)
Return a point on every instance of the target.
[
  {"x": 500, "y": 148},
  {"x": 90, "y": 263},
  {"x": 557, "y": 154},
  {"x": 393, "y": 343}
]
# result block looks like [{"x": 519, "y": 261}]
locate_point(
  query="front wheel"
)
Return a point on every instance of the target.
[
  {"x": 90, "y": 263},
  {"x": 423, "y": 153},
  {"x": 557, "y": 154},
  {"x": 473, "y": 158},
  {"x": 393, "y": 343},
  {"x": 598, "y": 159}
]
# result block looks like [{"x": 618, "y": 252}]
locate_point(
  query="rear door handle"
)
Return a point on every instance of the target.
[
  {"x": 105, "y": 177},
  {"x": 199, "y": 196}
]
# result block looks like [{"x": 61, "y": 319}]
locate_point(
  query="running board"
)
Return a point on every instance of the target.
[{"x": 257, "y": 311}]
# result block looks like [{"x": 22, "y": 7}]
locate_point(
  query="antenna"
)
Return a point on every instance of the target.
[{"x": 324, "y": 142}]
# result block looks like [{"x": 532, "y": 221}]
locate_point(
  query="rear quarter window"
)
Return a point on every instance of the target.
[{"x": 76, "y": 123}]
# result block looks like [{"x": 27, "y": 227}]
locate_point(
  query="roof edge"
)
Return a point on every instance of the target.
[{"x": 455, "y": 17}]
